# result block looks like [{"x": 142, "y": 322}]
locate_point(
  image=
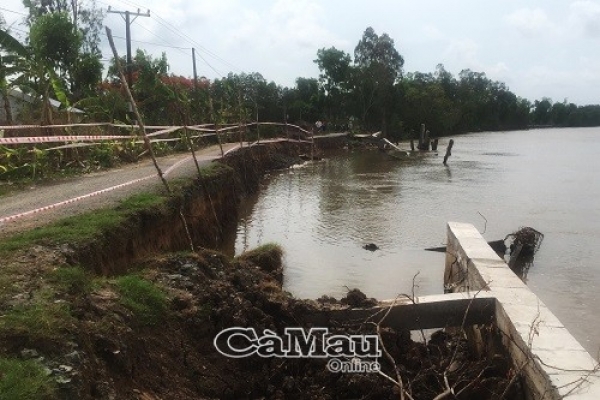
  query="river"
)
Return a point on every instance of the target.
[{"x": 324, "y": 212}]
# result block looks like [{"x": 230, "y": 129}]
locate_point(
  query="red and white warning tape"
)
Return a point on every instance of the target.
[
  {"x": 14, "y": 217},
  {"x": 70, "y": 201},
  {"x": 54, "y": 139}
]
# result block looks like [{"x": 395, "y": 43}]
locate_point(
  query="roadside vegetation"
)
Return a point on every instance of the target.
[
  {"x": 82, "y": 228},
  {"x": 59, "y": 58}
]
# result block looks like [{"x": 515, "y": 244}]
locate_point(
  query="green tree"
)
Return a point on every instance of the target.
[
  {"x": 542, "y": 111},
  {"x": 335, "y": 78},
  {"x": 378, "y": 66},
  {"x": 86, "y": 75},
  {"x": 84, "y": 15},
  {"x": 306, "y": 100},
  {"x": 55, "y": 42},
  {"x": 424, "y": 100},
  {"x": 78, "y": 63}
]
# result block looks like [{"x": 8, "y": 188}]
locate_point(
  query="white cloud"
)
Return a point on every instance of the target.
[
  {"x": 531, "y": 22},
  {"x": 585, "y": 17},
  {"x": 500, "y": 69},
  {"x": 288, "y": 24},
  {"x": 462, "y": 52},
  {"x": 432, "y": 32},
  {"x": 560, "y": 83},
  {"x": 278, "y": 38}
]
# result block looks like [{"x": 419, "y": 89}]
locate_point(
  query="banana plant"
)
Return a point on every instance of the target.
[
  {"x": 10, "y": 52},
  {"x": 31, "y": 73}
]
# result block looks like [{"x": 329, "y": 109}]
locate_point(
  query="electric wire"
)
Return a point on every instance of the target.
[
  {"x": 11, "y": 11},
  {"x": 174, "y": 29},
  {"x": 167, "y": 25}
]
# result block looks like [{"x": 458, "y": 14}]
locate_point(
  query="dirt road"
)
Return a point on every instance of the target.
[{"x": 41, "y": 204}]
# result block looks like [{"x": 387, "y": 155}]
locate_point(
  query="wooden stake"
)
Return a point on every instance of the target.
[
  {"x": 448, "y": 150},
  {"x": 214, "y": 116},
  {"x": 135, "y": 110},
  {"x": 421, "y": 137},
  {"x": 143, "y": 130}
]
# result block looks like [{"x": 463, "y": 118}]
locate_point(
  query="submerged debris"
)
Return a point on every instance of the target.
[
  {"x": 523, "y": 245},
  {"x": 527, "y": 239},
  {"x": 371, "y": 247},
  {"x": 356, "y": 298}
]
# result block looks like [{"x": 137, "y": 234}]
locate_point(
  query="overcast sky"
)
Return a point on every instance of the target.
[{"x": 539, "y": 48}]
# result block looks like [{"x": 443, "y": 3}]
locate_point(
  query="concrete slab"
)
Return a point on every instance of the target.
[{"x": 554, "y": 363}]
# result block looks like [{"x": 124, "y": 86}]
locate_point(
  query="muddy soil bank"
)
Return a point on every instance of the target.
[
  {"x": 159, "y": 345},
  {"x": 209, "y": 204},
  {"x": 124, "y": 317}
]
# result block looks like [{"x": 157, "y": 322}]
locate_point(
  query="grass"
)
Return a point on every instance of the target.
[
  {"x": 213, "y": 169},
  {"x": 267, "y": 257},
  {"x": 8, "y": 284},
  {"x": 267, "y": 248},
  {"x": 73, "y": 280},
  {"x": 146, "y": 300},
  {"x": 24, "y": 380},
  {"x": 84, "y": 227},
  {"x": 45, "y": 321},
  {"x": 140, "y": 202}
]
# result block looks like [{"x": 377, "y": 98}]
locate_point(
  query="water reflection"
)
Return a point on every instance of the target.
[
  {"x": 324, "y": 213},
  {"x": 448, "y": 173}
]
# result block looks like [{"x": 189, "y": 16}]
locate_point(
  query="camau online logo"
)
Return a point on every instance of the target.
[{"x": 345, "y": 353}]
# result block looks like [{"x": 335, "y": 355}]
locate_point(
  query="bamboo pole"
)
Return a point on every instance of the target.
[
  {"x": 214, "y": 116},
  {"x": 240, "y": 119},
  {"x": 147, "y": 142},
  {"x": 187, "y": 138},
  {"x": 136, "y": 111}
]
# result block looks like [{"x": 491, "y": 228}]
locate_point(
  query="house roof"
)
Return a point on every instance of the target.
[{"x": 20, "y": 95}]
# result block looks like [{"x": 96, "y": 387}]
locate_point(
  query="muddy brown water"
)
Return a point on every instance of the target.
[{"x": 323, "y": 213}]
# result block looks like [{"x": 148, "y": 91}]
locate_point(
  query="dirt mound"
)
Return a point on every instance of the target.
[{"x": 151, "y": 335}]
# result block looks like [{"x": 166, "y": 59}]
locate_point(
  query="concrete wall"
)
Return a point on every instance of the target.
[{"x": 554, "y": 364}]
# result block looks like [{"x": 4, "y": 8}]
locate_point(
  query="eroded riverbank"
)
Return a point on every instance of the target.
[{"x": 101, "y": 308}]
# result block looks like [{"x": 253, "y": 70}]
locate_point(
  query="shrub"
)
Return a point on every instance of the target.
[
  {"x": 147, "y": 301},
  {"x": 24, "y": 380},
  {"x": 73, "y": 280}
]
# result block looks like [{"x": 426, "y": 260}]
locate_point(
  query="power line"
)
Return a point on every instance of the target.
[
  {"x": 179, "y": 34},
  {"x": 14, "y": 12},
  {"x": 155, "y": 35},
  {"x": 154, "y": 44},
  {"x": 167, "y": 25},
  {"x": 202, "y": 58},
  {"x": 128, "y": 23},
  {"x": 176, "y": 31},
  {"x": 215, "y": 56}
]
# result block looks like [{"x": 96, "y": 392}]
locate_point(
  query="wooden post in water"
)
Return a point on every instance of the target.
[
  {"x": 434, "y": 144},
  {"x": 426, "y": 141},
  {"x": 421, "y": 137},
  {"x": 312, "y": 144},
  {"x": 412, "y": 145},
  {"x": 448, "y": 150}
]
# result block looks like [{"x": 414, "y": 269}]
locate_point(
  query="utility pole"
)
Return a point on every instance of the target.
[
  {"x": 194, "y": 65},
  {"x": 128, "y": 22}
]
